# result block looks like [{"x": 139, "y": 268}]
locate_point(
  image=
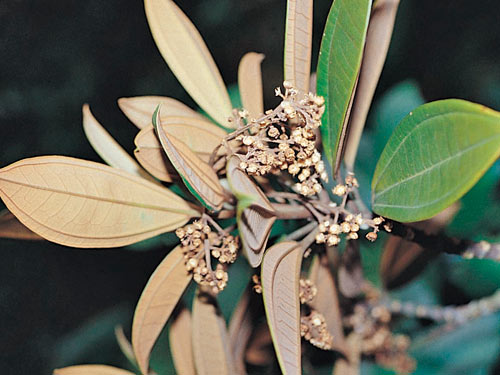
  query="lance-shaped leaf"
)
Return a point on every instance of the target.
[
  {"x": 80, "y": 203},
  {"x": 298, "y": 43},
  {"x": 150, "y": 153},
  {"x": 158, "y": 299},
  {"x": 10, "y": 227},
  {"x": 338, "y": 69},
  {"x": 212, "y": 354},
  {"x": 198, "y": 176},
  {"x": 139, "y": 109},
  {"x": 280, "y": 290},
  {"x": 255, "y": 213},
  {"x": 377, "y": 44},
  {"x": 180, "y": 343},
  {"x": 185, "y": 52},
  {"x": 107, "y": 148},
  {"x": 91, "y": 370},
  {"x": 350, "y": 273},
  {"x": 434, "y": 156},
  {"x": 250, "y": 84},
  {"x": 326, "y": 300},
  {"x": 240, "y": 331}
]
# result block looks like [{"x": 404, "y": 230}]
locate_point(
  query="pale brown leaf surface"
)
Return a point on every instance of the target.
[
  {"x": 140, "y": 109},
  {"x": 91, "y": 370},
  {"x": 280, "y": 290},
  {"x": 378, "y": 38},
  {"x": 351, "y": 365},
  {"x": 255, "y": 221},
  {"x": 80, "y": 203},
  {"x": 10, "y": 227},
  {"x": 180, "y": 343},
  {"x": 185, "y": 52},
  {"x": 350, "y": 272},
  {"x": 199, "y": 177},
  {"x": 326, "y": 300},
  {"x": 240, "y": 330},
  {"x": 158, "y": 299},
  {"x": 250, "y": 84},
  {"x": 212, "y": 354},
  {"x": 298, "y": 43},
  {"x": 125, "y": 345},
  {"x": 107, "y": 148},
  {"x": 200, "y": 135}
]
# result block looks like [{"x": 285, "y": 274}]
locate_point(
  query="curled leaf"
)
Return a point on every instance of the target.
[
  {"x": 280, "y": 290},
  {"x": 158, "y": 299},
  {"x": 255, "y": 213},
  {"x": 91, "y": 370},
  {"x": 185, "y": 52},
  {"x": 10, "y": 227},
  {"x": 180, "y": 343},
  {"x": 80, "y": 203},
  {"x": 250, "y": 84}
]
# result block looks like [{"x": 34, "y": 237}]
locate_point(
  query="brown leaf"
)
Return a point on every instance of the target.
[
  {"x": 280, "y": 290},
  {"x": 180, "y": 343},
  {"x": 326, "y": 300},
  {"x": 350, "y": 366},
  {"x": 150, "y": 153},
  {"x": 198, "y": 176},
  {"x": 80, "y": 203},
  {"x": 240, "y": 331},
  {"x": 125, "y": 345},
  {"x": 378, "y": 38},
  {"x": 139, "y": 109},
  {"x": 350, "y": 273},
  {"x": 185, "y": 52},
  {"x": 158, "y": 299},
  {"x": 298, "y": 43},
  {"x": 250, "y": 84},
  {"x": 91, "y": 370},
  {"x": 212, "y": 354},
  {"x": 256, "y": 218},
  {"x": 10, "y": 227}
]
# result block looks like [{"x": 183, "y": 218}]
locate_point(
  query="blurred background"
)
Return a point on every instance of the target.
[{"x": 58, "y": 306}]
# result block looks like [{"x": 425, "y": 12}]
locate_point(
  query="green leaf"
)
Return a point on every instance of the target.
[
  {"x": 338, "y": 68},
  {"x": 435, "y": 155}
]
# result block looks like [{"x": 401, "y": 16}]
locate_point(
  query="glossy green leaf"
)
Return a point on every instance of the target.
[
  {"x": 435, "y": 155},
  {"x": 338, "y": 68}
]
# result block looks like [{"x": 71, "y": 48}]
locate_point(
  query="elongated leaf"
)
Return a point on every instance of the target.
[
  {"x": 180, "y": 343},
  {"x": 298, "y": 43},
  {"x": 108, "y": 149},
  {"x": 280, "y": 291},
  {"x": 199, "y": 135},
  {"x": 250, "y": 84},
  {"x": 91, "y": 370},
  {"x": 139, "y": 109},
  {"x": 212, "y": 353},
  {"x": 255, "y": 213},
  {"x": 85, "y": 204},
  {"x": 338, "y": 68},
  {"x": 185, "y": 52},
  {"x": 158, "y": 299},
  {"x": 10, "y": 227},
  {"x": 198, "y": 176},
  {"x": 435, "y": 155},
  {"x": 240, "y": 331},
  {"x": 125, "y": 345},
  {"x": 377, "y": 44}
]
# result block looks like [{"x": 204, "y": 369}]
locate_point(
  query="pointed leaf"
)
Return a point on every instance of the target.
[
  {"x": 255, "y": 213},
  {"x": 139, "y": 109},
  {"x": 125, "y": 345},
  {"x": 377, "y": 44},
  {"x": 80, "y": 203},
  {"x": 338, "y": 68},
  {"x": 180, "y": 343},
  {"x": 280, "y": 291},
  {"x": 250, "y": 84},
  {"x": 298, "y": 43},
  {"x": 108, "y": 149},
  {"x": 198, "y": 176},
  {"x": 435, "y": 155},
  {"x": 10, "y": 227},
  {"x": 212, "y": 353},
  {"x": 150, "y": 153},
  {"x": 91, "y": 370},
  {"x": 158, "y": 299},
  {"x": 185, "y": 52}
]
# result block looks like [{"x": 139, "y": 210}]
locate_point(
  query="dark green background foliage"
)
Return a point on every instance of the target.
[{"x": 58, "y": 306}]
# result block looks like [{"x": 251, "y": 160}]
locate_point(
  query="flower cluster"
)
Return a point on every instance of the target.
[
  {"x": 285, "y": 139},
  {"x": 313, "y": 328},
  {"x": 307, "y": 291}
]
